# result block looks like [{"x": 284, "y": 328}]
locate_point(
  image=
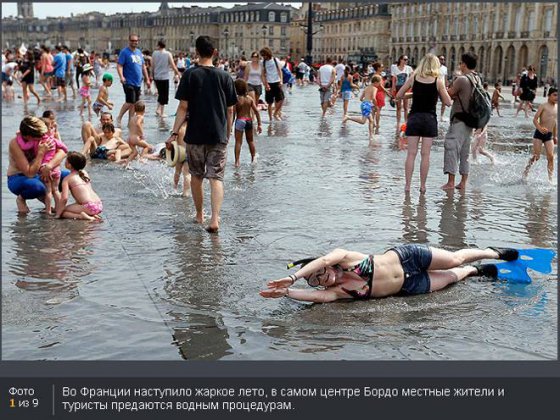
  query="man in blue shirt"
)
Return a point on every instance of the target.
[
  {"x": 69, "y": 70},
  {"x": 131, "y": 67},
  {"x": 59, "y": 64}
]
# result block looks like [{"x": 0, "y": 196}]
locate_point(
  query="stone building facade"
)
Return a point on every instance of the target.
[
  {"x": 353, "y": 31},
  {"x": 505, "y": 36},
  {"x": 237, "y": 30}
]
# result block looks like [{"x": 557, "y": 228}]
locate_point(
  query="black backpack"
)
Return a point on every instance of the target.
[{"x": 480, "y": 105}]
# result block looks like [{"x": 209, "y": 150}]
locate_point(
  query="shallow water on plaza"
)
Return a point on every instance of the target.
[{"x": 148, "y": 284}]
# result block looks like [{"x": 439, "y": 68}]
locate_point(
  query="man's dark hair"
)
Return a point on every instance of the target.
[
  {"x": 108, "y": 126},
  {"x": 161, "y": 43},
  {"x": 328, "y": 60},
  {"x": 204, "y": 46},
  {"x": 551, "y": 91},
  {"x": 470, "y": 59},
  {"x": 58, "y": 48}
]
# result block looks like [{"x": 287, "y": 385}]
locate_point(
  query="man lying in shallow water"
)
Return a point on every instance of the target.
[{"x": 402, "y": 270}]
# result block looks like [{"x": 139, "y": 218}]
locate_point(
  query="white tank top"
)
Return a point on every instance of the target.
[{"x": 254, "y": 77}]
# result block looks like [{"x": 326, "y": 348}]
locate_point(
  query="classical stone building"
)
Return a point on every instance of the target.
[
  {"x": 353, "y": 31},
  {"x": 237, "y": 30},
  {"x": 506, "y": 36}
]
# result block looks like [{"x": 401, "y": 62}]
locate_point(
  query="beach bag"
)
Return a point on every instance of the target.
[{"x": 480, "y": 105}]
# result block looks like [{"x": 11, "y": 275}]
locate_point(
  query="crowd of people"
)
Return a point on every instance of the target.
[{"x": 218, "y": 98}]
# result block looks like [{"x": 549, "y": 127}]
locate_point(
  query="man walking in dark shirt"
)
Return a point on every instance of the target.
[{"x": 207, "y": 95}]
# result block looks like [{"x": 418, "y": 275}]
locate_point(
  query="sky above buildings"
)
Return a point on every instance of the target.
[{"x": 42, "y": 10}]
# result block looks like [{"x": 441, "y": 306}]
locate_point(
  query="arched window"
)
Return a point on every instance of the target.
[
  {"x": 271, "y": 16},
  {"x": 283, "y": 17}
]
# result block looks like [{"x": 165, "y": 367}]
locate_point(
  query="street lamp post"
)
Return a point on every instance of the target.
[
  {"x": 192, "y": 41},
  {"x": 264, "y": 29},
  {"x": 505, "y": 71},
  {"x": 226, "y": 35},
  {"x": 309, "y": 32}
]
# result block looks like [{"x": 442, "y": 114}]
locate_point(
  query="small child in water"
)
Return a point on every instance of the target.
[
  {"x": 103, "y": 95},
  {"x": 85, "y": 90},
  {"x": 52, "y": 184},
  {"x": 369, "y": 103},
  {"x": 88, "y": 205},
  {"x": 480, "y": 138},
  {"x": 545, "y": 133},
  {"x": 136, "y": 132},
  {"x": 496, "y": 96},
  {"x": 244, "y": 120},
  {"x": 49, "y": 117}
]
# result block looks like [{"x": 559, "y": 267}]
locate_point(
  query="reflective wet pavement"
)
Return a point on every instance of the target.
[{"x": 149, "y": 284}]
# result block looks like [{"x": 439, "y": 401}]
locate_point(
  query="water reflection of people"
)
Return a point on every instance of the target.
[
  {"x": 199, "y": 332},
  {"x": 415, "y": 228},
  {"x": 541, "y": 227},
  {"x": 58, "y": 253},
  {"x": 452, "y": 222},
  {"x": 402, "y": 270}
]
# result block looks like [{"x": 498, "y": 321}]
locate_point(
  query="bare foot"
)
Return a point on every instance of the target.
[
  {"x": 237, "y": 164},
  {"x": 447, "y": 186},
  {"x": 423, "y": 190},
  {"x": 199, "y": 219},
  {"x": 22, "y": 205},
  {"x": 460, "y": 186},
  {"x": 186, "y": 194}
]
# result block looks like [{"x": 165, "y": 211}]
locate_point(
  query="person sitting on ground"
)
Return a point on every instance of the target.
[
  {"x": 107, "y": 145},
  {"x": 89, "y": 130},
  {"x": 88, "y": 205},
  {"x": 402, "y": 270}
]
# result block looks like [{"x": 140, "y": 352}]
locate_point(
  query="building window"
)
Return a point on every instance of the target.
[
  {"x": 548, "y": 20},
  {"x": 531, "y": 20},
  {"x": 447, "y": 26},
  {"x": 475, "y": 25},
  {"x": 271, "y": 30},
  {"x": 271, "y": 16},
  {"x": 284, "y": 17},
  {"x": 283, "y": 31},
  {"x": 271, "y": 44}
]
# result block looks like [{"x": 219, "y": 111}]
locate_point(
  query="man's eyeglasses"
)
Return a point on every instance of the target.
[{"x": 134, "y": 40}]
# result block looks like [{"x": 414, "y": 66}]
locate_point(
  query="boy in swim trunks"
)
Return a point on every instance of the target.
[
  {"x": 369, "y": 102},
  {"x": 496, "y": 96},
  {"x": 545, "y": 133},
  {"x": 136, "y": 132},
  {"x": 103, "y": 95}
]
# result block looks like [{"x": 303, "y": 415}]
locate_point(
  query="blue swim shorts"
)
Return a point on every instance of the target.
[{"x": 366, "y": 108}]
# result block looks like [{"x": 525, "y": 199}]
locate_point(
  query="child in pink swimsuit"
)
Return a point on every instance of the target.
[
  {"x": 51, "y": 184},
  {"x": 88, "y": 205}
]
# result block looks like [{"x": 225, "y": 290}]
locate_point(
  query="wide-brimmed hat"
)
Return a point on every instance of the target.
[
  {"x": 87, "y": 67},
  {"x": 176, "y": 155}
]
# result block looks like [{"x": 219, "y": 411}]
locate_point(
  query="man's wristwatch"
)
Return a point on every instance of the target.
[{"x": 175, "y": 134}]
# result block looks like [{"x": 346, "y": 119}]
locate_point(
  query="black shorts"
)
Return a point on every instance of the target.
[
  {"x": 60, "y": 82},
  {"x": 254, "y": 88},
  {"x": 415, "y": 261},
  {"x": 163, "y": 91},
  {"x": 30, "y": 78},
  {"x": 132, "y": 93},
  {"x": 275, "y": 94},
  {"x": 421, "y": 124},
  {"x": 299, "y": 75},
  {"x": 543, "y": 137}
]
